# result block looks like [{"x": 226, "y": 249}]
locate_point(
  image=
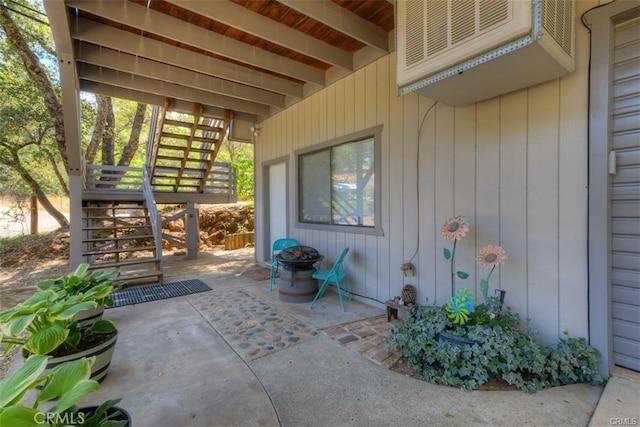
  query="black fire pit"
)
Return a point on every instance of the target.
[{"x": 295, "y": 281}]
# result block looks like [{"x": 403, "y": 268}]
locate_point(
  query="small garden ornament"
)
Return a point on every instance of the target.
[
  {"x": 454, "y": 229},
  {"x": 490, "y": 256}
]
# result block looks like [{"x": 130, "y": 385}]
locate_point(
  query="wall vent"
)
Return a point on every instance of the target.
[{"x": 464, "y": 51}]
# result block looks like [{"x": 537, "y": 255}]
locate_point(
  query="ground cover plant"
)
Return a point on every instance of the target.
[{"x": 465, "y": 344}]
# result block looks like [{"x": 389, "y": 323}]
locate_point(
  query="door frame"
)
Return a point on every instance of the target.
[
  {"x": 266, "y": 217},
  {"x": 601, "y": 21}
]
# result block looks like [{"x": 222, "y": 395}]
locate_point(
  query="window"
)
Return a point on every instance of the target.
[{"x": 338, "y": 184}]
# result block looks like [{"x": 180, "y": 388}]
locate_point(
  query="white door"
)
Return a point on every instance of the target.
[
  {"x": 625, "y": 195},
  {"x": 278, "y": 218}
]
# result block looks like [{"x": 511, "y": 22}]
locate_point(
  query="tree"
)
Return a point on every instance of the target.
[
  {"x": 32, "y": 137},
  {"x": 240, "y": 156},
  {"x": 30, "y": 108}
]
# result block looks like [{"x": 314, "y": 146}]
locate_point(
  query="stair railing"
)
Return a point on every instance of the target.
[
  {"x": 156, "y": 225},
  {"x": 151, "y": 139}
]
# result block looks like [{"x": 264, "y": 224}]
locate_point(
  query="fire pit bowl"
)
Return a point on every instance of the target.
[
  {"x": 299, "y": 257},
  {"x": 295, "y": 282}
]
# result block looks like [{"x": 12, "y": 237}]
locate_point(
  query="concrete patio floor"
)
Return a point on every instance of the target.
[{"x": 172, "y": 367}]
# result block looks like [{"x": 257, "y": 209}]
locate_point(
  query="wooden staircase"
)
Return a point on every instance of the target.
[
  {"x": 185, "y": 150},
  {"x": 119, "y": 203},
  {"x": 119, "y": 234}
]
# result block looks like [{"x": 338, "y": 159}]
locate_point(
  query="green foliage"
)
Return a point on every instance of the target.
[
  {"x": 500, "y": 350},
  {"x": 46, "y": 320},
  {"x": 240, "y": 156},
  {"x": 244, "y": 179},
  {"x": 67, "y": 384}
]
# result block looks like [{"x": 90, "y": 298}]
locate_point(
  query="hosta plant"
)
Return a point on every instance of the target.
[
  {"x": 47, "y": 319},
  {"x": 67, "y": 384}
]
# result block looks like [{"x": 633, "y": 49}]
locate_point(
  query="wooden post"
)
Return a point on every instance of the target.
[
  {"x": 34, "y": 214},
  {"x": 192, "y": 229}
]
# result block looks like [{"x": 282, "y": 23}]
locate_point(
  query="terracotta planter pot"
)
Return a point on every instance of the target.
[{"x": 103, "y": 353}]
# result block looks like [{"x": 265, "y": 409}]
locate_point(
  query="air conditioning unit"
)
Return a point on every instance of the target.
[{"x": 463, "y": 51}]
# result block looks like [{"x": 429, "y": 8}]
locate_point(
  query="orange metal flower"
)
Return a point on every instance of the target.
[
  {"x": 455, "y": 228},
  {"x": 491, "y": 256}
]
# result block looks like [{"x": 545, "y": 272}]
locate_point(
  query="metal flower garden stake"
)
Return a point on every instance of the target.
[
  {"x": 454, "y": 229},
  {"x": 490, "y": 257}
]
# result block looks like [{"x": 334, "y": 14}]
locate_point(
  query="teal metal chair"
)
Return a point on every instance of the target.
[
  {"x": 333, "y": 276},
  {"x": 278, "y": 245}
]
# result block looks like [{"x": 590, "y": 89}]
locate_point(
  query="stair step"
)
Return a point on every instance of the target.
[
  {"x": 123, "y": 227},
  {"x": 124, "y": 263},
  {"x": 177, "y": 168},
  {"x": 117, "y": 217},
  {"x": 119, "y": 251},
  {"x": 203, "y": 127},
  {"x": 107, "y": 238},
  {"x": 193, "y": 149},
  {"x": 141, "y": 278},
  {"x": 133, "y": 205},
  {"x": 171, "y": 135}
]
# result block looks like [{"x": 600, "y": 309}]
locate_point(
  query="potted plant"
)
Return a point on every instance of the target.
[
  {"x": 68, "y": 383},
  {"x": 45, "y": 324},
  {"x": 96, "y": 286}
]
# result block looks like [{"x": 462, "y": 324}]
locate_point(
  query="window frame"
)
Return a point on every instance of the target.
[{"x": 373, "y": 132}]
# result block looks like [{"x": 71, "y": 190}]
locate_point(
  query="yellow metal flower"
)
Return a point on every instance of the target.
[
  {"x": 455, "y": 228},
  {"x": 491, "y": 256}
]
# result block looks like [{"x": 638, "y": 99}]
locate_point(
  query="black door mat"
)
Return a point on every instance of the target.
[{"x": 157, "y": 292}]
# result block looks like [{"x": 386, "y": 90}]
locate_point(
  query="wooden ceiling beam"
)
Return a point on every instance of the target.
[
  {"x": 142, "y": 18},
  {"x": 124, "y": 41},
  {"x": 262, "y": 27},
  {"x": 340, "y": 19},
  {"x": 108, "y": 58},
  {"x": 168, "y": 90},
  {"x": 178, "y": 105}
]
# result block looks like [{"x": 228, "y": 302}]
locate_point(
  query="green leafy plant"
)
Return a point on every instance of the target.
[
  {"x": 47, "y": 319},
  {"x": 68, "y": 383},
  {"x": 501, "y": 348},
  {"x": 96, "y": 286}
]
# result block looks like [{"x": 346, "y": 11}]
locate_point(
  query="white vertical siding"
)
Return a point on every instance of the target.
[{"x": 515, "y": 166}]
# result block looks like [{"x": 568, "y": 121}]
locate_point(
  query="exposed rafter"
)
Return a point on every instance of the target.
[
  {"x": 157, "y": 23},
  {"x": 341, "y": 20},
  {"x": 124, "y": 41},
  {"x": 178, "y": 105},
  {"x": 119, "y": 61},
  {"x": 260, "y": 26},
  {"x": 168, "y": 90}
]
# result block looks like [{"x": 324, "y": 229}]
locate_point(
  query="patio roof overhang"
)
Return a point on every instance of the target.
[{"x": 251, "y": 57}]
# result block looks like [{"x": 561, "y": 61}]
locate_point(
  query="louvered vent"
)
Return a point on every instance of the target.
[
  {"x": 463, "y": 22},
  {"x": 437, "y": 28},
  {"x": 493, "y": 12},
  {"x": 415, "y": 33},
  {"x": 557, "y": 20},
  {"x": 462, "y": 51}
]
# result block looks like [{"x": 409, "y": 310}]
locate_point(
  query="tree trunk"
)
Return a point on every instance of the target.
[
  {"x": 36, "y": 71},
  {"x": 134, "y": 137},
  {"x": 98, "y": 129},
  {"x": 37, "y": 190},
  {"x": 56, "y": 170},
  {"x": 108, "y": 138}
]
